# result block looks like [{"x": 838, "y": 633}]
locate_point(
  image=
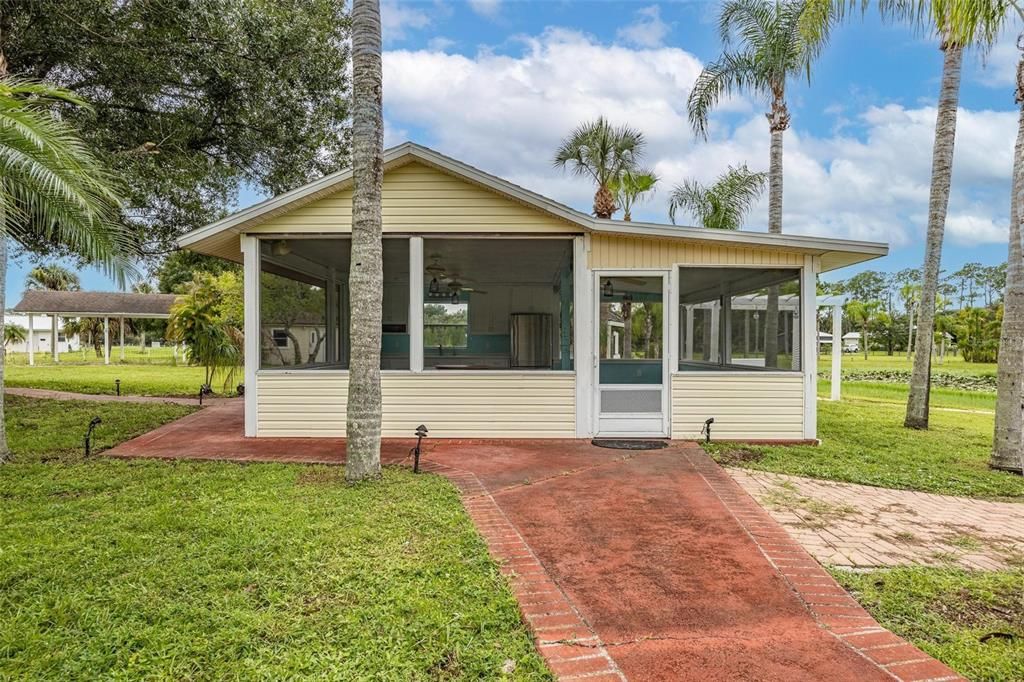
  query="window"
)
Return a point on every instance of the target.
[
  {"x": 445, "y": 325},
  {"x": 304, "y": 306},
  {"x": 739, "y": 319},
  {"x": 497, "y": 304}
]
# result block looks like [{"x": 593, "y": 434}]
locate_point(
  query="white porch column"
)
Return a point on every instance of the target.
[
  {"x": 53, "y": 338},
  {"x": 416, "y": 304},
  {"x": 795, "y": 342},
  {"x": 671, "y": 344},
  {"x": 251, "y": 305},
  {"x": 31, "y": 341},
  {"x": 585, "y": 355},
  {"x": 122, "y": 338},
  {"x": 808, "y": 309},
  {"x": 331, "y": 301},
  {"x": 106, "y": 340},
  {"x": 837, "y": 351},
  {"x": 726, "y": 329}
]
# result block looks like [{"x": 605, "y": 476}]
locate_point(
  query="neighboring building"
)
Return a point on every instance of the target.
[
  {"x": 507, "y": 314},
  {"x": 41, "y": 334},
  {"x": 851, "y": 342}
]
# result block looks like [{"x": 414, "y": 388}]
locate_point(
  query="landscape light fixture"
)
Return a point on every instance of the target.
[
  {"x": 204, "y": 390},
  {"x": 93, "y": 423},
  {"x": 421, "y": 433},
  {"x": 706, "y": 431},
  {"x": 117, "y": 386}
]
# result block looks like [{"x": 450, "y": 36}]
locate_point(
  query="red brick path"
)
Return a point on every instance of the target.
[{"x": 647, "y": 566}]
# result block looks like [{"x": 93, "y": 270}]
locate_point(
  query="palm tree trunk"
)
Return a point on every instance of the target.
[
  {"x": 778, "y": 121},
  {"x": 5, "y": 451},
  {"x": 1008, "y": 443},
  {"x": 366, "y": 274},
  {"x": 942, "y": 170}
]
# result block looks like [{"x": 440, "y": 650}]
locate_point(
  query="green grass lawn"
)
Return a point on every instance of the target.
[
  {"x": 865, "y": 442},
  {"x": 956, "y": 616},
  {"x": 136, "y": 569},
  {"x": 897, "y": 394},
  {"x": 158, "y": 380},
  {"x": 163, "y": 355},
  {"x": 953, "y": 364}
]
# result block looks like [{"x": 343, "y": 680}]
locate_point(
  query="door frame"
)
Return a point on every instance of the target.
[{"x": 666, "y": 378}]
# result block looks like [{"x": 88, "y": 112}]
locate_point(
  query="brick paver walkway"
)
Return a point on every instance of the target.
[
  {"x": 627, "y": 565},
  {"x": 844, "y": 524}
]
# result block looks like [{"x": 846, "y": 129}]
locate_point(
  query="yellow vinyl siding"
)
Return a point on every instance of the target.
[
  {"x": 610, "y": 251},
  {"x": 496, "y": 405},
  {"x": 745, "y": 406},
  {"x": 418, "y": 198}
]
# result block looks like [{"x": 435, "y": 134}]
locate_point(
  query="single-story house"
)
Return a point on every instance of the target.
[
  {"x": 508, "y": 314},
  {"x": 39, "y": 334}
]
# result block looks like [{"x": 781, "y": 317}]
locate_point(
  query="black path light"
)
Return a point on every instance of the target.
[
  {"x": 204, "y": 390},
  {"x": 706, "y": 431},
  {"x": 421, "y": 433},
  {"x": 117, "y": 386},
  {"x": 93, "y": 423}
]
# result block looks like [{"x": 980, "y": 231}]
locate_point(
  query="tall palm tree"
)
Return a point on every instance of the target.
[
  {"x": 632, "y": 187},
  {"x": 773, "y": 46},
  {"x": 366, "y": 274},
  {"x": 52, "y": 186},
  {"x": 52, "y": 277},
  {"x": 602, "y": 152},
  {"x": 1008, "y": 440},
  {"x": 721, "y": 205}
]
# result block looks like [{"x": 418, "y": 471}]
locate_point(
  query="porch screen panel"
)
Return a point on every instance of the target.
[
  {"x": 497, "y": 304},
  {"x": 304, "y": 304},
  {"x": 744, "y": 319}
]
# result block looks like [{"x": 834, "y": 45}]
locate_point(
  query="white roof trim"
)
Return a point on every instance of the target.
[{"x": 409, "y": 151}]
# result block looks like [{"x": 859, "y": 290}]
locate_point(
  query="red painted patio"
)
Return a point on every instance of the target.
[{"x": 627, "y": 565}]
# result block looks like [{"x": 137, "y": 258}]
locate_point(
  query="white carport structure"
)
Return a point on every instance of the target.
[
  {"x": 836, "y": 303},
  {"x": 97, "y": 304}
]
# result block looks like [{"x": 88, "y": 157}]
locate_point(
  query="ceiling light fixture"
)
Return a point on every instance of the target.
[{"x": 606, "y": 289}]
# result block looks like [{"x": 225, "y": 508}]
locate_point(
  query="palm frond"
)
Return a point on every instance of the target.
[
  {"x": 601, "y": 151},
  {"x": 730, "y": 74},
  {"x": 750, "y": 20},
  {"x": 52, "y": 186},
  {"x": 723, "y": 204}
]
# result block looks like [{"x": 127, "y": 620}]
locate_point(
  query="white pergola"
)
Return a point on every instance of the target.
[
  {"x": 77, "y": 304},
  {"x": 836, "y": 303}
]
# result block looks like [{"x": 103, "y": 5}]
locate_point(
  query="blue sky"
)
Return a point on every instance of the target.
[{"x": 497, "y": 83}]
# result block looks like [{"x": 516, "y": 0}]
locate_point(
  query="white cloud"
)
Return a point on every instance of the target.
[
  {"x": 967, "y": 228},
  {"x": 487, "y": 8},
  {"x": 869, "y": 180},
  {"x": 998, "y": 69},
  {"x": 440, "y": 44},
  {"x": 396, "y": 18},
  {"x": 647, "y": 31}
]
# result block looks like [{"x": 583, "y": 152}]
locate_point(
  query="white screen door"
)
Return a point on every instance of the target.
[{"x": 631, "y": 355}]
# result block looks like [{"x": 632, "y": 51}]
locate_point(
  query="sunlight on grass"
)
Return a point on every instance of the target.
[
  {"x": 157, "y": 380},
  {"x": 972, "y": 621},
  {"x": 865, "y": 442}
]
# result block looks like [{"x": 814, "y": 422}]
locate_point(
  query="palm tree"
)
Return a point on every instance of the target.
[
  {"x": 774, "y": 46},
  {"x": 863, "y": 314},
  {"x": 210, "y": 342},
  {"x": 630, "y": 188},
  {"x": 911, "y": 295},
  {"x": 366, "y": 274},
  {"x": 52, "y": 277},
  {"x": 1008, "y": 441},
  {"x": 14, "y": 333},
  {"x": 52, "y": 186},
  {"x": 722, "y": 204},
  {"x": 602, "y": 152}
]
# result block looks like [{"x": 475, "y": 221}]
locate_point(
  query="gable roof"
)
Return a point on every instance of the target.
[
  {"x": 96, "y": 303},
  {"x": 835, "y": 253}
]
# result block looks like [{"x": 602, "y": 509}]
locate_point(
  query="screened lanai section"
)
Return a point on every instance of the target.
[
  {"x": 304, "y": 312},
  {"x": 496, "y": 304},
  {"x": 739, "y": 319}
]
